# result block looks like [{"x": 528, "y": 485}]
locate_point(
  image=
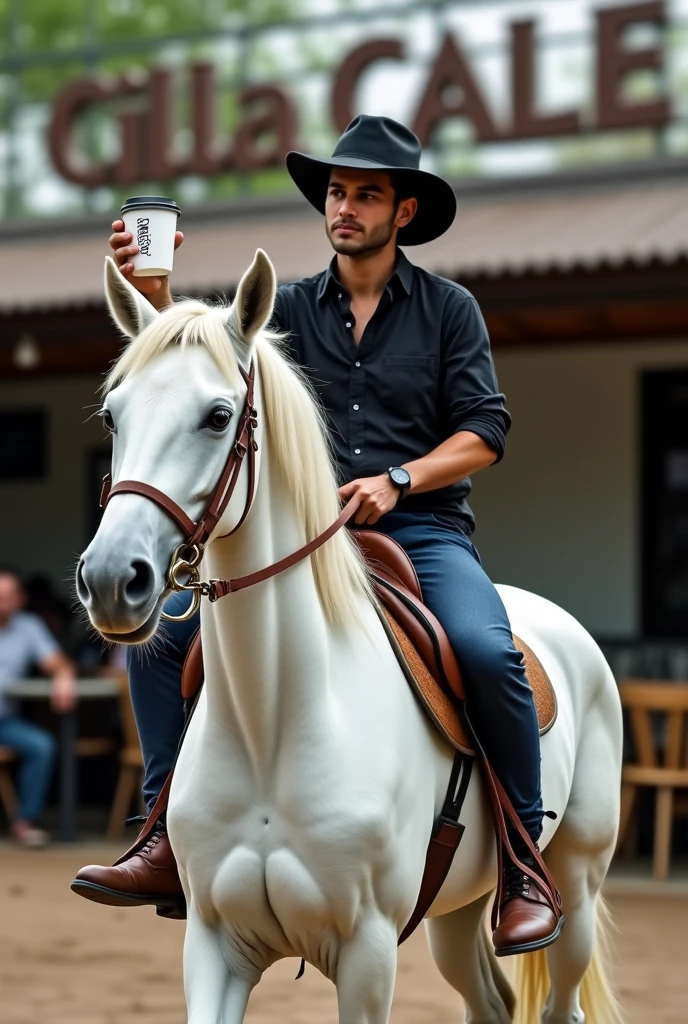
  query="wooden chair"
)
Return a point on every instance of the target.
[
  {"x": 8, "y": 797},
  {"x": 661, "y": 765},
  {"x": 131, "y": 764},
  {"x": 96, "y": 746},
  {"x": 89, "y": 747}
]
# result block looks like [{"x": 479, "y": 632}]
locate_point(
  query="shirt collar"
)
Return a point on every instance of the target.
[
  {"x": 403, "y": 272},
  {"x": 329, "y": 280}
]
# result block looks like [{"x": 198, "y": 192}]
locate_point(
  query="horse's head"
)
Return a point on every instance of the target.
[{"x": 173, "y": 406}]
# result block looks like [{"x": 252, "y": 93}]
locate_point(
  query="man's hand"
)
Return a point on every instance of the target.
[
  {"x": 156, "y": 289},
  {"x": 63, "y": 692},
  {"x": 375, "y": 494}
]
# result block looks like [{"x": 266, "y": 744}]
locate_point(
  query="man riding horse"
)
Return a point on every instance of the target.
[{"x": 400, "y": 359}]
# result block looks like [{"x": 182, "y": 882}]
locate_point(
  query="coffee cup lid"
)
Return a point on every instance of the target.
[{"x": 150, "y": 203}]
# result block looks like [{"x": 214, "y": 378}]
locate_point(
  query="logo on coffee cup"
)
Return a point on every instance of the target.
[{"x": 143, "y": 238}]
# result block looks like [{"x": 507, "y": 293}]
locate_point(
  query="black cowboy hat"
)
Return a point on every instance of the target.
[{"x": 381, "y": 144}]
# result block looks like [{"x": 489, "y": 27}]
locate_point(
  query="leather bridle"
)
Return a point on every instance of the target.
[{"x": 187, "y": 556}]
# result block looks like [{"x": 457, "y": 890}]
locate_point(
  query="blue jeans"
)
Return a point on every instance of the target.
[
  {"x": 36, "y": 750},
  {"x": 500, "y": 702},
  {"x": 460, "y": 594}
]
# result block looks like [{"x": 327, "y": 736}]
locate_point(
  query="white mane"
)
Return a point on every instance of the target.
[{"x": 294, "y": 429}]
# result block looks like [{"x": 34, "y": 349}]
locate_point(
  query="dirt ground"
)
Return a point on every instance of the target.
[{"x": 66, "y": 961}]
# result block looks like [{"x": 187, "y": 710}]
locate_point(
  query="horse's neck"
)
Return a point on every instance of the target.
[{"x": 266, "y": 647}]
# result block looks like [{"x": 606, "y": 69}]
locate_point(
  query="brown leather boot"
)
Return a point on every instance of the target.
[
  {"x": 527, "y": 920},
  {"x": 146, "y": 875}
]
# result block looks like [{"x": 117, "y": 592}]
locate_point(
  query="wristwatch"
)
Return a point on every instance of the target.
[{"x": 401, "y": 480}]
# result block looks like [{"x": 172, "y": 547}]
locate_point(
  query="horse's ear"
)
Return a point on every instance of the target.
[
  {"x": 255, "y": 297},
  {"x": 129, "y": 309}
]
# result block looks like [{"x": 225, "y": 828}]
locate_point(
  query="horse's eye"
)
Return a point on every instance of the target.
[
  {"x": 108, "y": 421},
  {"x": 218, "y": 419}
]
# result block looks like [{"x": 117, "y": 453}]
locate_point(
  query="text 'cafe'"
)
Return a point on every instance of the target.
[{"x": 451, "y": 90}]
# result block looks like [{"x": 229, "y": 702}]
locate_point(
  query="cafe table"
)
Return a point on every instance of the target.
[{"x": 87, "y": 689}]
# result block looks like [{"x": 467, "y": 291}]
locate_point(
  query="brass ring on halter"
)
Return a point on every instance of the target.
[
  {"x": 191, "y": 554},
  {"x": 191, "y": 610},
  {"x": 193, "y": 583},
  {"x": 185, "y": 558}
]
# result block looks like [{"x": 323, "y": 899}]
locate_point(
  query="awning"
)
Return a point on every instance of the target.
[
  {"x": 612, "y": 226},
  {"x": 66, "y": 269},
  {"x": 560, "y": 223}
]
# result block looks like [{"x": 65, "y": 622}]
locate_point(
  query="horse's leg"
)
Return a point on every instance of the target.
[
  {"x": 579, "y": 874},
  {"x": 366, "y": 972},
  {"x": 214, "y": 994},
  {"x": 463, "y": 953},
  {"x": 579, "y": 856},
  {"x": 568, "y": 958}
]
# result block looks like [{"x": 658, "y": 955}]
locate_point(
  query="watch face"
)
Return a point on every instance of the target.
[{"x": 400, "y": 477}]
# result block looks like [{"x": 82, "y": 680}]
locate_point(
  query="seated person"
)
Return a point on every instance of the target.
[{"x": 25, "y": 641}]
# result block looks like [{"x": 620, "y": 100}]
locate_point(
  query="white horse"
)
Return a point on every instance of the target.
[{"x": 309, "y": 779}]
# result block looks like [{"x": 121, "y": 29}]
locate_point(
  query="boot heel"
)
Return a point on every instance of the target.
[{"x": 173, "y": 911}]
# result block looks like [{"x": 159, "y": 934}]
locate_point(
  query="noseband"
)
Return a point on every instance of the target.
[{"x": 187, "y": 557}]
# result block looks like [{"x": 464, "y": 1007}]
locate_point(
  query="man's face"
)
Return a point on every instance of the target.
[
  {"x": 361, "y": 212},
  {"x": 11, "y": 597}
]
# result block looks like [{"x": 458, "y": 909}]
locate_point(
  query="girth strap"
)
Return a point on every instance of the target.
[{"x": 447, "y": 833}]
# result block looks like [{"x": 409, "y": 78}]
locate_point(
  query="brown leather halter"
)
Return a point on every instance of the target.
[{"x": 187, "y": 556}]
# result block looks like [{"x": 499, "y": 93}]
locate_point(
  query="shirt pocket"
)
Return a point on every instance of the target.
[{"x": 409, "y": 384}]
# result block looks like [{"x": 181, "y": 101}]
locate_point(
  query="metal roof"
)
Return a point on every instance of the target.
[
  {"x": 606, "y": 227},
  {"x": 562, "y": 222}
]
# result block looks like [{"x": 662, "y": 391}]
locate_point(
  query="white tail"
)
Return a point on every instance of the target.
[{"x": 598, "y": 999}]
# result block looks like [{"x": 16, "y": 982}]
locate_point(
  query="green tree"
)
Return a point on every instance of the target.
[
  {"x": 44, "y": 44},
  {"x": 61, "y": 37}
]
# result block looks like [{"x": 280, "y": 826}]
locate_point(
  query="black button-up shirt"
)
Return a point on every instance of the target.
[{"x": 421, "y": 372}]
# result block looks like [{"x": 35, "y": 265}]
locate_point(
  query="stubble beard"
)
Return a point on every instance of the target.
[{"x": 362, "y": 245}]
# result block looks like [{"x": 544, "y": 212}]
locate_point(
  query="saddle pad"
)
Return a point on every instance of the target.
[{"x": 444, "y": 710}]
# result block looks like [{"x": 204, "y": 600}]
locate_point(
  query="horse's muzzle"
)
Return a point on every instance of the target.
[{"x": 122, "y": 600}]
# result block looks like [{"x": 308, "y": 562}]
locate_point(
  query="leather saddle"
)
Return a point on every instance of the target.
[
  {"x": 420, "y": 643},
  {"x": 422, "y": 646}
]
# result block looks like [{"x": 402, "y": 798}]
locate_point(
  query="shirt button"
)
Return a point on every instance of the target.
[
  {"x": 356, "y": 408},
  {"x": 357, "y": 363},
  {"x": 339, "y": 295},
  {"x": 348, "y": 323},
  {"x": 357, "y": 451}
]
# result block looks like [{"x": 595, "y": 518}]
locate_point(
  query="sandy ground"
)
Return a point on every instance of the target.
[{"x": 66, "y": 961}]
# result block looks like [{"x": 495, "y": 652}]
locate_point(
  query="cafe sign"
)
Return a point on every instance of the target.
[{"x": 268, "y": 125}]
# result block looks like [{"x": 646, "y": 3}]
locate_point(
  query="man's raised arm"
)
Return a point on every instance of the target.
[{"x": 156, "y": 289}]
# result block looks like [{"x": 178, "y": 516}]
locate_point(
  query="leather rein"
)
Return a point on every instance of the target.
[{"x": 187, "y": 556}]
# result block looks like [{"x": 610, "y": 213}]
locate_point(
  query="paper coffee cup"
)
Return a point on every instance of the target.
[{"x": 152, "y": 221}]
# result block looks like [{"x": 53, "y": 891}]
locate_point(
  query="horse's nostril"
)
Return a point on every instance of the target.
[
  {"x": 82, "y": 590},
  {"x": 142, "y": 581}
]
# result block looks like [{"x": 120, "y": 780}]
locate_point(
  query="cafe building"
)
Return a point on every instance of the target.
[{"x": 566, "y": 139}]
